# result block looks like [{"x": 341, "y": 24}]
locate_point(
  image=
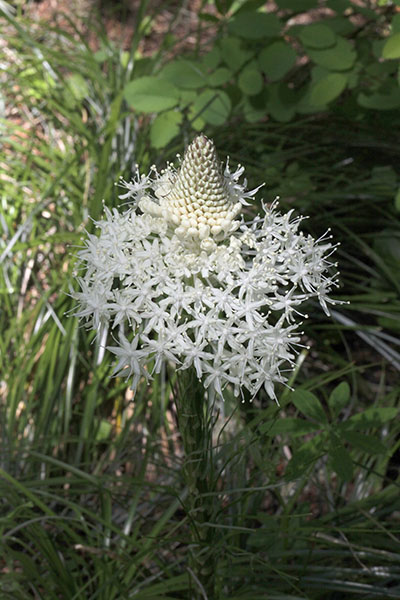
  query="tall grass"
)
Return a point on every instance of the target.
[{"x": 92, "y": 501}]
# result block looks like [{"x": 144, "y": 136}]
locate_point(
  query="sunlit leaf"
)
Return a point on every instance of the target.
[
  {"x": 213, "y": 106},
  {"x": 250, "y": 81},
  {"x": 339, "y": 57},
  {"x": 317, "y": 35},
  {"x": 164, "y": 128},
  {"x": 183, "y": 73},
  {"x": 327, "y": 89},
  {"x": 151, "y": 94},
  {"x": 277, "y": 59},
  {"x": 391, "y": 49}
]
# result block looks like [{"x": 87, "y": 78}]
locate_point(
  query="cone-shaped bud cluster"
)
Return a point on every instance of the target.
[{"x": 198, "y": 202}]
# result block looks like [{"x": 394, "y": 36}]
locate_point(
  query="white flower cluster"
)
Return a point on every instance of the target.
[{"x": 179, "y": 278}]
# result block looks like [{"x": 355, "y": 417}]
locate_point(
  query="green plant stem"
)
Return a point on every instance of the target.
[{"x": 195, "y": 425}]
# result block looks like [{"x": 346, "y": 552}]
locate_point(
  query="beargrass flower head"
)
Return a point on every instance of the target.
[{"x": 180, "y": 277}]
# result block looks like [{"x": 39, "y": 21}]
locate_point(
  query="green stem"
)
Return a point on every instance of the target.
[{"x": 195, "y": 426}]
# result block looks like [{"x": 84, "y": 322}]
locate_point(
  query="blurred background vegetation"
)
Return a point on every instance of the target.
[{"x": 305, "y": 94}]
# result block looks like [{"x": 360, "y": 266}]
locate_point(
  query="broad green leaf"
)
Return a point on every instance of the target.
[
  {"x": 377, "y": 47},
  {"x": 317, "y": 35},
  {"x": 305, "y": 456},
  {"x": 232, "y": 53},
  {"x": 255, "y": 25},
  {"x": 254, "y": 107},
  {"x": 151, "y": 94},
  {"x": 208, "y": 17},
  {"x": 219, "y": 77},
  {"x": 101, "y": 55},
  {"x": 309, "y": 405},
  {"x": 223, "y": 5},
  {"x": 187, "y": 97},
  {"x": 213, "y": 106},
  {"x": 250, "y": 81},
  {"x": 391, "y": 49},
  {"x": 372, "y": 417},
  {"x": 78, "y": 86},
  {"x": 340, "y": 25},
  {"x": 212, "y": 59},
  {"x": 297, "y": 5},
  {"x": 183, "y": 74},
  {"x": 277, "y": 59},
  {"x": 340, "y": 460},
  {"x": 365, "y": 443},
  {"x": 289, "y": 425},
  {"x": 339, "y": 6},
  {"x": 395, "y": 24},
  {"x": 380, "y": 101},
  {"x": 327, "y": 89},
  {"x": 339, "y": 398},
  {"x": 164, "y": 128},
  {"x": 380, "y": 70},
  {"x": 339, "y": 57},
  {"x": 281, "y": 102},
  {"x": 251, "y": 113},
  {"x": 397, "y": 200}
]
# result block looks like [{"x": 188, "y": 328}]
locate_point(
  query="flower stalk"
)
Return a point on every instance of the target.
[
  {"x": 180, "y": 278},
  {"x": 195, "y": 423}
]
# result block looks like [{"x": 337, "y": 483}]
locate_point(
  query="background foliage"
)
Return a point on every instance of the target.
[{"x": 304, "y": 94}]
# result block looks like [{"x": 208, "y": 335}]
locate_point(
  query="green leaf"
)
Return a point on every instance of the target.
[
  {"x": 317, "y": 35},
  {"x": 297, "y": 5},
  {"x": 277, "y": 59},
  {"x": 339, "y": 57},
  {"x": 212, "y": 58},
  {"x": 213, "y": 106},
  {"x": 327, "y": 89},
  {"x": 339, "y": 398},
  {"x": 219, "y": 77},
  {"x": 164, "y": 128},
  {"x": 232, "y": 53},
  {"x": 254, "y": 106},
  {"x": 151, "y": 94},
  {"x": 101, "y": 55},
  {"x": 380, "y": 101},
  {"x": 209, "y": 18},
  {"x": 395, "y": 24},
  {"x": 339, "y": 5},
  {"x": 289, "y": 425},
  {"x": 340, "y": 459},
  {"x": 250, "y": 81},
  {"x": 391, "y": 49},
  {"x": 377, "y": 47},
  {"x": 183, "y": 74},
  {"x": 366, "y": 443},
  {"x": 340, "y": 25},
  {"x": 397, "y": 200},
  {"x": 78, "y": 86},
  {"x": 281, "y": 102},
  {"x": 305, "y": 456},
  {"x": 254, "y": 25},
  {"x": 104, "y": 428},
  {"x": 187, "y": 97},
  {"x": 309, "y": 405},
  {"x": 372, "y": 417}
]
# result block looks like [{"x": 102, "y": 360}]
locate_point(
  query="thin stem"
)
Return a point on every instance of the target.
[{"x": 195, "y": 426}]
